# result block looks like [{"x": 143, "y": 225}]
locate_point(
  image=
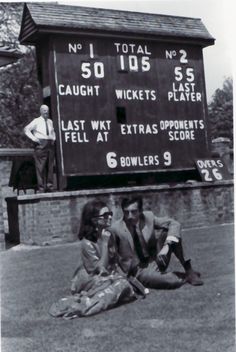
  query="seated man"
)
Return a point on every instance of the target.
[{"x": 145, "y": 254}]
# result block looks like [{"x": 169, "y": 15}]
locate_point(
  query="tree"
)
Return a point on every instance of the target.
[
  {"x": 20, "y": 93},
  {"x": 220, "y": 111}
]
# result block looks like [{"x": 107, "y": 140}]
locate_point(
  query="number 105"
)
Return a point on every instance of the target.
[{"x": 134, "y": 63}]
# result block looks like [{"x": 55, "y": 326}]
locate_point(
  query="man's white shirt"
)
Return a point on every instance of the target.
[{"x": 36, "y": 129}]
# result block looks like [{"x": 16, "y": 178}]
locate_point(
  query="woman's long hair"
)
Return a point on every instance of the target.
[{"x": 88, "y": 226}]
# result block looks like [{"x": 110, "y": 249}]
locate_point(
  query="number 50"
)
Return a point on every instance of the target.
[{"x": 97, "y": 68}]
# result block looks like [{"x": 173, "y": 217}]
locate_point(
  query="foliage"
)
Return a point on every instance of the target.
[
  {"x": 220, "y": 111},
  {"x": 19, "y": 99},
  {"x": 20, "y": 94},
  {"x": 10, "y": 19}
]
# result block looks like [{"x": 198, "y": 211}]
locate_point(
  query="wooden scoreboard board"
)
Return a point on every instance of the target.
[
  {"x": 128, "y": 106},
  {"x": 126, "y": 89}
]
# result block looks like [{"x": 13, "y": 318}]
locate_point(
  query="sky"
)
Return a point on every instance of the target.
[{"x": 217, "y": 16}]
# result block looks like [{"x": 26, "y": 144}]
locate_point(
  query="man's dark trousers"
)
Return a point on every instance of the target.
[{"x": 44, "y": 158}]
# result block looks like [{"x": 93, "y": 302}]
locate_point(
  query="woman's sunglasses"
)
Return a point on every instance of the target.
[{"x": 104, "y": 216}]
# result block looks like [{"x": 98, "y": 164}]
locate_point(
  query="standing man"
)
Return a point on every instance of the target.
[
  {"x": 42, "y": 133},
  {"x": 146, "y": 254}
]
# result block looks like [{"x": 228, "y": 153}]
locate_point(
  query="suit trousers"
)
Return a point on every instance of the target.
[
  {"x": 151, "y": 277},
  {"x": 44, "y": 158}
]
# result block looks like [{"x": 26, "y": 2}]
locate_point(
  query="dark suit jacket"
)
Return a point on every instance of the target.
[{"x": 149, "y": 223}]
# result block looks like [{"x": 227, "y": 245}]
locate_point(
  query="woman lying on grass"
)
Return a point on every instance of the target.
[{"x": 98, "y": 283}]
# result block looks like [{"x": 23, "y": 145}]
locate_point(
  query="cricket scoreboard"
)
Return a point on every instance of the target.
[{"x": 126, "y": 106}]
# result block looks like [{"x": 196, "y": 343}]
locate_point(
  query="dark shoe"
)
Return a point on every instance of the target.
[
  {"x": 192, "y": 277},
  {"x": 163, "y": 257},
  {"x": 138, "y": 287}
]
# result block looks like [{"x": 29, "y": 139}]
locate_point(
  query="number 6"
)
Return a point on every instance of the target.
[
  {"x": 111, "y": 160},
  {"x": 217, "y": 174}
]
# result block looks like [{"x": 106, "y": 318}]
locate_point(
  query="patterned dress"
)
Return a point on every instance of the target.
[{"x": 93, "y": 292}]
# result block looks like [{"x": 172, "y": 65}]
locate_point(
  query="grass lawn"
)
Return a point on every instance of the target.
[{"x": 189, "y": 319}]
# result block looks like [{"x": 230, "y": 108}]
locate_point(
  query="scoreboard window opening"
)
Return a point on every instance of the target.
[{"x": 120, "y": 115}]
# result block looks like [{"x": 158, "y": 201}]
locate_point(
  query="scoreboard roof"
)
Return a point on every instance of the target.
[{"x": 40, "y": 19}]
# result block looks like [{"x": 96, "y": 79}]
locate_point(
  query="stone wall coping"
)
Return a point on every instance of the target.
[
  {"x": 6, "y": 152},
  {"x": 91, "y": 192}
]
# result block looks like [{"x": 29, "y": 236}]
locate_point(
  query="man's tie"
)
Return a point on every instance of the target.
[
  {"x": 138, "y": 246},
  {"x": 47, "y": 130}
]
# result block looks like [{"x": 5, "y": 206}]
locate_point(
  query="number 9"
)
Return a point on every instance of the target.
[{"x": 167, "y": 158}]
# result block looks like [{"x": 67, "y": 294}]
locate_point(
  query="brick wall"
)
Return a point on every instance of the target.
[{"x": 54, "y": 218}]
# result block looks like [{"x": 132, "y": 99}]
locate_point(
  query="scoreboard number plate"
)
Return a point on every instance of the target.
[{"x": 212, "y": 169}]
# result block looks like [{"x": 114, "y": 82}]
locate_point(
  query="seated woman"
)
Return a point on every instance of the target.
[{"x": 98, "y": 283}]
